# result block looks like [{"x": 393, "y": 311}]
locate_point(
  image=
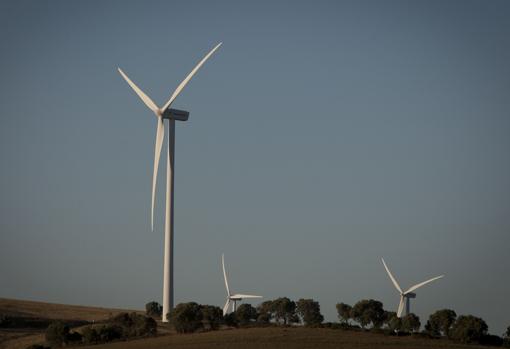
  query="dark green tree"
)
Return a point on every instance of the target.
[
  {"x": 186, "y": 317},
  {"x": 284, "y": 310},
  {"x": 468, "y": 329},
  {"x": 90, "y": 335},
  {"x": 393, "y": 322},
  {"x": 440, "y": 322},
  {"x": 411, "y": 323},
  {"x": 344, "y": 312},
  {"x": 309, "y": 311},
  {"x": 367, "y": 312},
  {"x": 245, "y": 314},
  {"x": 212, "y": 317},
  {"x": 153, "y": 309},
  {"x": 265, "y": 312}
]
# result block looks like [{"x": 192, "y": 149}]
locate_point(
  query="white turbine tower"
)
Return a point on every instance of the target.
[
  {"x": 232, "y": 297},
  {"x": 171, "y": 115},
  {"x": 407, "y": 295}
]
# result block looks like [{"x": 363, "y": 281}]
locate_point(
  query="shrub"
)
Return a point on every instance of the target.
[
  {"x": 90, "y": 335},
  {"x": 468, "y": 329},
  {"x": 245, "y": 313},
  {"x": 153, "y": 309},
  {"x": 109, "y": 332},
  {"x": 212, "y": 317},
  {"x": 230, "y": 320},
  {"x": 492, "y": 340},
  {"x": 56, "y": 333},
  {"x": 186, "y": 317},
  {"x": 134, "y": 325}
]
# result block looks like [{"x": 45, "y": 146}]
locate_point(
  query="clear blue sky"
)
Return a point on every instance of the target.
[{"x": 322, "y": 137}]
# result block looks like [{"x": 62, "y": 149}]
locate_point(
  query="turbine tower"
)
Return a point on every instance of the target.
[
  {"x": 232, "y": 297},
  {"x": 406, "y": 296},
  {"x": 171, "y": 115}
]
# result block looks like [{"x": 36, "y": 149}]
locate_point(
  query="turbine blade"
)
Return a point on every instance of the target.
[
  {"x": 400, "y": 306},
  {"x": 240, "y": 295},
  {"x": 188, "y": 78},
  {"x": 225, "y": 307},
  {"x": 422, "y": 284},
  {"x": 160, "y": 135},
  {"x": 391, "y": 276},
  {"x": 225, "y": 274},
  {"x": 146, "y": 99}
]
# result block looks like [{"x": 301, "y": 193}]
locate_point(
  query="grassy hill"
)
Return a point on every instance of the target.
[{"x": 244, "y": 338}]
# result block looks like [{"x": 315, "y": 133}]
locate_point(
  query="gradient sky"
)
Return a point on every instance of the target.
[{"x": 322, "y": 137}]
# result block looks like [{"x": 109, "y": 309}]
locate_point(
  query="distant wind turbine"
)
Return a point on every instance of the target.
[
  {"x": 407, "y": 295},
  {"x": 171, "y": 115},
  {"x": 232, "y": 297}
]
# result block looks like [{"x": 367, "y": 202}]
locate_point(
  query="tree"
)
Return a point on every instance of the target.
[
  {"x": 212, "y": 316},
  {"x": 468, "y": 329},
  {"x": 56, "y": 333},
  {"x": 411, "y": 323},
  {"x": 367, "y": 312},
  {"x": 186, "y": 317},
  {"x": 284, "y": 310},
  {"x": 506, "y": 338},
  {"x": 393, "y": 322},
  {"x": 441, "y": 322},
  {"x": 310, "y": 311},
  {"x": 344, "y": 312},
  {"x": 245, "y": 313},
  {"x": 153, "y": 309},
  {"x": 265, "y": 312}
]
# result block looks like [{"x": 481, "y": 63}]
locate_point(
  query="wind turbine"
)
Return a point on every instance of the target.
[
  {"x": 232, "y": 297},
  {"x": 407, "y": 295},
  {"x": 171, "y": 115}
]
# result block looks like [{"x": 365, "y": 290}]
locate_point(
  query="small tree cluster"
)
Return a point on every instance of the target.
[
  {"x": 368, "y": 312},
  {"x": 58, "y": 334},
  {"x": 191, "y": 317}
]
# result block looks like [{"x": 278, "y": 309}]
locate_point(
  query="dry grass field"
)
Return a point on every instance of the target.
[
  {"x": 243, "y": 338},
  {"x": 22, "y": 337}
]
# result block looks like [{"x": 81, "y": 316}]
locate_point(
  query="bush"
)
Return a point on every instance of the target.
[
  {"x": 230, "y": 320},
  {"x": 245, "y": 313},
  {"x": 186, "y": 317},
  {"x": 468, "y": 329},
  {"x": 90, "y": 335},
  {"x": 492, "y": 340},
  {"x": 57, "y": 333},
  {"x": 212, "y": 317},
  {"x": 134, "y": 325},
  {"x": 153, "y": 309},
  {"x": 109, "y": 332}
]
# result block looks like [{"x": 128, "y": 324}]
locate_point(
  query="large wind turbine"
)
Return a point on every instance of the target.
[
  {"x": 407, "y": 295},
  {"x": 232, "y": 297},
  {"x": 171, "y": 115}
]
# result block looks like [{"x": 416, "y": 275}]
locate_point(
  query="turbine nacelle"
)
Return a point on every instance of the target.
[{"x": 175, "y": 114}]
